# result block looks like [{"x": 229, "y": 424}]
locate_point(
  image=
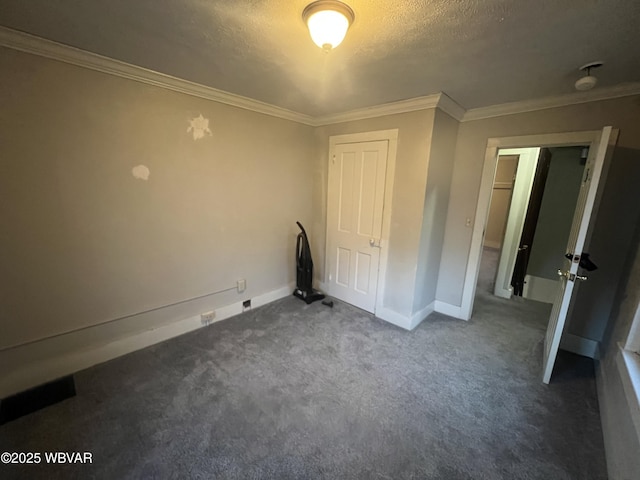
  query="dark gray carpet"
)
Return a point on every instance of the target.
[
  {"x": 296, "y": 391},
  {"x": 488, "y": 270}
]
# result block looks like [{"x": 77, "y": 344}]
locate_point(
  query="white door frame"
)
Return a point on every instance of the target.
[
  {"x": 391, "y": 136},
  {"x": 525, "y": 173},
  {"x": 570, "y": 139}
]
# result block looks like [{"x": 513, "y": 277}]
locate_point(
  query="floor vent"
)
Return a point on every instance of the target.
[{"x": 36, "y": 398}]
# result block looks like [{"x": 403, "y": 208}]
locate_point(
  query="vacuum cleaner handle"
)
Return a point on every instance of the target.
[{"x": 302, "y": 228}]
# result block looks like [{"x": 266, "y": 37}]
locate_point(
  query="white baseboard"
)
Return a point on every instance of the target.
[
  {"x": 503, "y": 292},
  {"x": 404, "y": 321},
  {"x": 52, "y": 362},
  {"x": 393, "y": 317},
  {"x": 539, "y": 288},
  {"x": 580, "y": 345},
  {"x": 448, "y": 309},
  {"x": 420, "y": 315},
  {"x": 388, "y": 315},
  {"x": 271, "y": 296}
]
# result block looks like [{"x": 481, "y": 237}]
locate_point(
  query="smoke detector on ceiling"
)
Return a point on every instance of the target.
[{"x": 588, "y": 81}]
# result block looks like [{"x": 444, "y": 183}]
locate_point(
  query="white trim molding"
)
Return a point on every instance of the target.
[
  {"x": 402, "y": 106},
  {"x": 52, "y": 358},
  {"x": 393, "y": 317},
  {"x": 75, "y": 56},
  {"x": 484, "y": 196},
  {"x": 580, "y": 346},
  {"x": 25, "y": 42},
  {"x": 404, "y": 321},
  {"x": 420, "y": 315},
  {"x": 574, "y": 98},
  {"x": 438, "y": 100},
  {"x": 449, "y": 310},
  {"x": 525, "y": 173},
  {"x": 449, "y": 106},
  {"x": 34, "y": 45}
]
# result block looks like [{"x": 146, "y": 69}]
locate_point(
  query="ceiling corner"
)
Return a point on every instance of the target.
[{"x": 450, "y": 106}]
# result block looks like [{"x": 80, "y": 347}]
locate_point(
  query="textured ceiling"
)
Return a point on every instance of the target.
[{"x": 479, "y": 52}]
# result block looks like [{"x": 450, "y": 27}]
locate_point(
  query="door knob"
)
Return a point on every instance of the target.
[
  {"x": 372, "y": 242},
  {"x": 571, "y": 276}
]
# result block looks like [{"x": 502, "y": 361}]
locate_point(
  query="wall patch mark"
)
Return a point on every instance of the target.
[
  {"x": 141, "y": 172},
  {"x": 199, "y": 126}
]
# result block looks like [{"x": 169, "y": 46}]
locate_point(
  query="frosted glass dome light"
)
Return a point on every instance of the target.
[{"x": 328, "y": 22}]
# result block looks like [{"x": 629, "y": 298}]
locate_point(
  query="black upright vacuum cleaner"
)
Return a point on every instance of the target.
[{"x": 304, "y": 270}]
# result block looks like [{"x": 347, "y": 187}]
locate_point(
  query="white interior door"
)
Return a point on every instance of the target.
[
  {"x": 357, "y": 175},
  {"x": 527, "y": 163},
  {"x": 569, "y": 274}
]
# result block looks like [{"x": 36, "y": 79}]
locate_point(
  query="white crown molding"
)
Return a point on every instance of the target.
[
  {"x": 402, "y": 106},
  {"x": 64, "y": 53},
  {"x": 575, "y": 98},
  {"x": 451, "y": 107},
  {"x": 75, "y": 56}
]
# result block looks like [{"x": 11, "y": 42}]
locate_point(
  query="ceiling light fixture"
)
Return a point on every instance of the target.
[
  {"x": 588, "y": 81},
  {"x": 328, "y": 22}
]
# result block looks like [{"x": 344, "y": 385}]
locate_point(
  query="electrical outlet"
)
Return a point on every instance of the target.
[
  {"x": 246, "y": 305},
  {"x": 242, "y": 285},
  {"x": 207, "y": 317}
]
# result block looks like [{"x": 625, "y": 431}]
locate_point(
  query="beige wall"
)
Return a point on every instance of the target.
[
  {"x": 622, "y": 441},
  {"x": 434, "y": 216},
  {"x": 414, "y": 140},
  {"x": 85, "y": 242},
  {"x": 82, "y": 241},
  {"x": 613, "y": 227}
]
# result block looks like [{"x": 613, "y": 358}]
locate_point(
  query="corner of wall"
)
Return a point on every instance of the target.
[
  {"x": 435, "y": 208},
  {"x": 408, "y": 322}
]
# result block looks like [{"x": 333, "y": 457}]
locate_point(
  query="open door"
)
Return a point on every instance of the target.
[
  {"x": 568, "y": 275},
  {"x": 530, "y": 222},
  {"x": 527, "y": 162}
]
